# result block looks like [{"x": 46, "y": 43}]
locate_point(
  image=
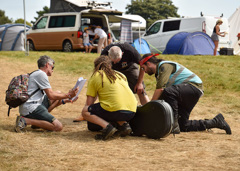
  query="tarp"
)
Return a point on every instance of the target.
[
  {"x": 141, "y": 46},
  {"x": 126, "y": 31},
  {"x": 234, "y": 23},
  {"x": 12, "y": 37},
  {"x": 184, "y": 43}
]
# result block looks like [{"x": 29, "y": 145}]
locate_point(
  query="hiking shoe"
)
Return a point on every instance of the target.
[
  {"x": 106, "y": 133},
  {"x": 20, "y": 124},
  {"x": 124, "y": 130},
  {"x": 218, "y": 122}
]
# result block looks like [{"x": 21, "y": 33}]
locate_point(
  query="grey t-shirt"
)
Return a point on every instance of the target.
[{"x": 37, "y": 79}]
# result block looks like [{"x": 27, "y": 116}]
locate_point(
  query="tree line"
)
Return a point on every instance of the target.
[{"x": 150, "y": 10}]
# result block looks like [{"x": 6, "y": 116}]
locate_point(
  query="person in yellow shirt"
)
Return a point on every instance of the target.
[{"x": 117, "y": 103}]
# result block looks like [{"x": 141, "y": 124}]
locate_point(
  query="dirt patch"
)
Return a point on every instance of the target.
[{"x": 75, "y": 148}]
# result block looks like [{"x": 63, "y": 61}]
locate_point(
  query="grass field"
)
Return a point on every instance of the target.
[{"x": 75, "y": 148}]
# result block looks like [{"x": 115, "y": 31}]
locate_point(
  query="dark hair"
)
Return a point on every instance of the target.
[
  {"x": 105, "y": 64},
  {"x": 153, "y": 59},
  {"x": 43, "y": 60}
]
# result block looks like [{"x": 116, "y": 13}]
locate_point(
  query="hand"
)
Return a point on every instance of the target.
[
  {"x": 139, "y": 88},
  {"x": 73, "y": 92}
]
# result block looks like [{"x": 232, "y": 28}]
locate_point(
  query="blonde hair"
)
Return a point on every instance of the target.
[{"x": 219, "y": 21}]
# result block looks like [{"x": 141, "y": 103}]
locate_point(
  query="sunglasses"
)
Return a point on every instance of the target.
[{"x": 51, "y": 66}]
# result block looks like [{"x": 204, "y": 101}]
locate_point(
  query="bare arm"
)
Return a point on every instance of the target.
[
  {"x": 157, "y": 94},
  {"x": 139, "y": 86},
  {"x": 54, "y": 95}
]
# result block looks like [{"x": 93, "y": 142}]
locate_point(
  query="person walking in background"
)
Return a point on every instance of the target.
[
  {"x": 86, "y": 43},
  {"x": 117, "y": 103},
  {"x": 181, "y": 89},
  {"x": 101, "y": 35},
  {"x": 215, "y": 34},
  {"x": 35, "y": 111}
]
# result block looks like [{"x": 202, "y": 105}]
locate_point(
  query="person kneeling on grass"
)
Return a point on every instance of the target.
[
  {"x": 36, "y": 110},
  {"x": 181, "y": 89},
  {"x": 117, "y": 104}
]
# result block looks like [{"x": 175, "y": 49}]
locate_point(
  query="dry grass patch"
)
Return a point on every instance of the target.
[{"x": 75, "y": 148}]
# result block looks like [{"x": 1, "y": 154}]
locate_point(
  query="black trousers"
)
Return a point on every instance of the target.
[{"x": 182, "y": 98}]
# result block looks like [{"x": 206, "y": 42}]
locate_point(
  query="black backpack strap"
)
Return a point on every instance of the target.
[
  {"x": 34, "y": 92},
  {"x": 9, "y": 108}
]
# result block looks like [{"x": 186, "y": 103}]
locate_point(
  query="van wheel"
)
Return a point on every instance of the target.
[
  {"x": 31, "y": 46},
  {"x": 67, "y": 46}
]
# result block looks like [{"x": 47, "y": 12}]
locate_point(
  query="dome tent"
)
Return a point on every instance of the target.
[
  {"x": 141, "y": 46},
  {"x": 184, "y": 43},
  {"x": 12, "y": 37}
]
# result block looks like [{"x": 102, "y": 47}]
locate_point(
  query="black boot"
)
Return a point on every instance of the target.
[
  {"x": 218, "y": 122},
  {"x": 176, "y": 129}
]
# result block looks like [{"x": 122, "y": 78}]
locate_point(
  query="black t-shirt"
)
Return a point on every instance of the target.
[{"x": 129, "y": 57}]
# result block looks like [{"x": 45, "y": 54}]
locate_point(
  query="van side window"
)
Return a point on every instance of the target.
[
  {"x": 42, "y": 23},
  {"x": 171, "y": 25},
  {"x": 62, "y": 21},
  {"x": 154, "y": 29}
]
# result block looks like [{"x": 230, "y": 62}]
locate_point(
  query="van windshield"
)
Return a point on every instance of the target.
[
  {"x": 154, "y": 29},
  {"x": 42, "y": 23}
]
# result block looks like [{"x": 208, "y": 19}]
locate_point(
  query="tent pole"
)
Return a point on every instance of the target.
[
  {"x": 139, "y": 37},
  {"x": 25, "y": 39}
]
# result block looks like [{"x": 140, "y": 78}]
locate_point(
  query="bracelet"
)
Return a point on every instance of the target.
[{"x": 63, "y": 102}]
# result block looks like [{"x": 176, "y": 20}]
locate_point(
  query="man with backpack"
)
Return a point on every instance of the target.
[{"x": 35, "y": 111}]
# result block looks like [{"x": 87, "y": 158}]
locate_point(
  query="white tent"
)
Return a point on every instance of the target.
[
  {"x": 234, "y": 23},
  {"x": 12, "y": 37}
]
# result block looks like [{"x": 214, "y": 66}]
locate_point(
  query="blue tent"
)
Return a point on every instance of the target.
[
  {"x": 184, "y": 43},
  {"x": 142, "y": 47},
  {"x": 12, "y": 37}
]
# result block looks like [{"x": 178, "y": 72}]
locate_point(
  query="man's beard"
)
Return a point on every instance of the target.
[{"x": 150, "y": 72}]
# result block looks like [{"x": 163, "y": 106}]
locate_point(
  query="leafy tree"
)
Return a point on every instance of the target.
[
  {"x": 152, "y": 10},
  {"x": 4, "y": 19},
  {"x": 40, "y": 13},
  {"x": 21, "y": 21}
]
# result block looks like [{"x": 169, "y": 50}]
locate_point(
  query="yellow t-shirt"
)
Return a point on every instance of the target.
[{"x": 112, "y": 96}]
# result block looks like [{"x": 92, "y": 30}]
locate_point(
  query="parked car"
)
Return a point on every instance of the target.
[
  {"x": 158, "y": 34},
  {"x": 63, "y": 31}
]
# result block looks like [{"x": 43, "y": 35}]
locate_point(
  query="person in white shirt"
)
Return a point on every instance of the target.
[
  {"x": 99, "y": 33},
  {"x": 35, "y": 111}
]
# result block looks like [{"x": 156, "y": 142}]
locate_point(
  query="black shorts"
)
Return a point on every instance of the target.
[{"x": 120, "y": 115}]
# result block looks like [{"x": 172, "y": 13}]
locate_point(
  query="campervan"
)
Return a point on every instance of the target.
[
  {"x": 63, "y": 31},
  {"x": 158, "y": 34}
]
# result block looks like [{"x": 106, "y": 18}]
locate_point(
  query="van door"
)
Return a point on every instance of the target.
[
  {"x": 60, "y": 28},
  {"x": 36, "y": 34},
  {"x": 159, "y": 34},
  {"x": 152, "y": 36}
]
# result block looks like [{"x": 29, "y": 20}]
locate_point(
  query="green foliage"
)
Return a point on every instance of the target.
[
  {"x": 4, "y": 19},
  {"x": 40, "y": 13},
  {"x": 152, "y": 10},
  {"x": 21, "y": 21}
]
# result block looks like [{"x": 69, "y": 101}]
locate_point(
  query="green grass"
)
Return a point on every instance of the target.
[{"x": 219, "y": 73}]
